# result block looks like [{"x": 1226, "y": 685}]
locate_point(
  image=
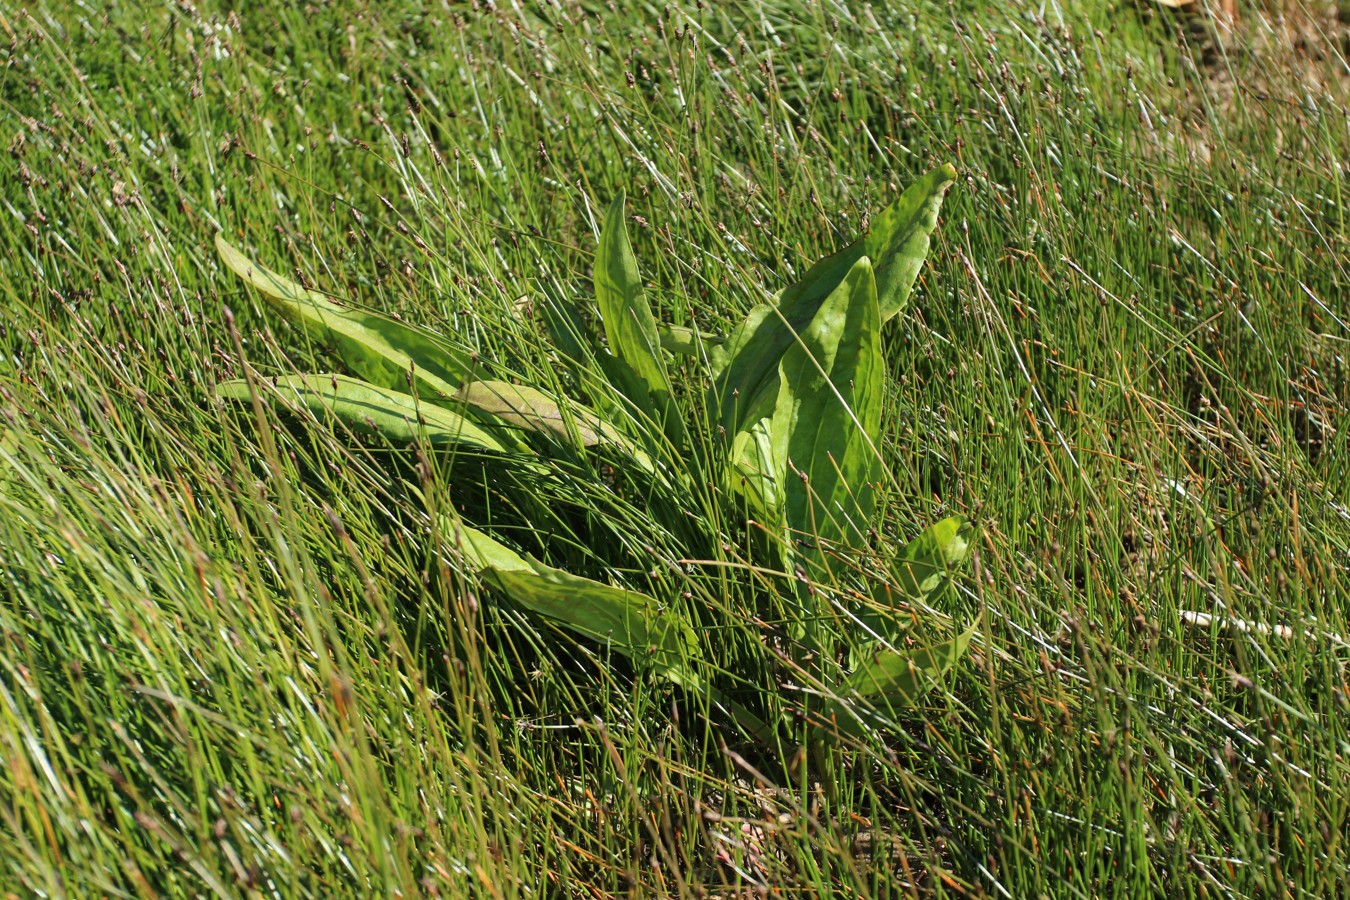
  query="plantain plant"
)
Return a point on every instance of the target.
[{"x": 770, "y": 440}]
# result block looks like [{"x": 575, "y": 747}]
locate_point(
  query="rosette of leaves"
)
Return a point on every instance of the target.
[{"x": 769, "y": 438}]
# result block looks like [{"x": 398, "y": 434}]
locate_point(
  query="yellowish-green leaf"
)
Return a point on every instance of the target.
[
  {"x": 889, "y": 680},
  {"x": 533, "y": 410},
  {"x": 923, "y": 568},
  {"x": 745, "y": 374},
  {"x": 382, "y": 350},
  {"x": 927, "y": 561},
  {"x": 366, "y": 407},
  {"x": 680, "y": 341},
  {"x": 627, "y": 621}
]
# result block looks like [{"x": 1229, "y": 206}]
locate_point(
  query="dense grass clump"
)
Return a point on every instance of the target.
[{"x": 241, "y": 654}]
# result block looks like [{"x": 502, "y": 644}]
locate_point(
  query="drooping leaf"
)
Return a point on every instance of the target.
[
  {"x": 525, "y": 407},
  {"x": 889, "y": 680},
  {"x": 381, "y": 350},
  {"x": 366, "y": 407},
  {"x": 630, "y": 327},
  {"x": 627, "y": 621},
  {"x": 827, "y": 419},
  {"x": 745, "y": 374}
]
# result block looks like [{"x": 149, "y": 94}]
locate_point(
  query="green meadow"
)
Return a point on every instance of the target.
[{"x": 1035, "y": 584}]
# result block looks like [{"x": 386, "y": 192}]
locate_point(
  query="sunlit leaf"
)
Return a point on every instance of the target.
[
  {"x": 920, "y": 570},
  {"x": 381, "y": 350},
  {"x": 680, "y": 341},
  {"x": 531, "y": 409},
  {"x": 627, "y": 621},
  {"x": 745, "y": 375},
  {"x": 366, "y": 407},
  {"x": 828, "y": 416},
  {"x": 927, "y": 561},
  {"x": 630, "y": 327},
  {"x": 890, "y": 680}
]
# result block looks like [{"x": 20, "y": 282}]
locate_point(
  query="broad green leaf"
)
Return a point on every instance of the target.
[
  {"x": 630, "y": 327},
  {"x": 745, "y": 381},
  {"x": 381, "y": 350},
  {"x": 893, "y": 679},
  {"x": 754, "y": 475},
  {"x": 827, "y": 420},
  {"x": 927, "y": 561},
  {"x": 367, "y": 407},
  {"x": 922, "y": 568},
  {"x": 899, "y": 237},
  {"x": 529, "y": 408},
  {"x": 628, "y": 621}
]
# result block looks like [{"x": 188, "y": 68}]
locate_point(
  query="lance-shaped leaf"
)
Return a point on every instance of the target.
[
  {"x": 630, "y": 622},
  {"x": 630, "y": 327},
  {"x": 373, "y": 409},
  {"x": 889, "y": 680},
  {"x": 744, "y": 383},
  {"x": 525, "y": 407},
  {"x": 827, "y": 420},
  {"x": 381, "y": 350},
  {"x": 754, "y": 474}
]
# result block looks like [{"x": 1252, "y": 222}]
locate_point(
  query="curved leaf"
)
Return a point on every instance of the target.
[
  {"x": 629, "y": 622},
  {"x": 529, "y": 408},
  {"x": 893, "y": 679},
  {"x": 926, "y": 562},
  {"x": 680, "y": 341},
  {"x": 381, "y": 350},
  {"x": 371, "y": 408},
  {"x": 922, "y": 568}
]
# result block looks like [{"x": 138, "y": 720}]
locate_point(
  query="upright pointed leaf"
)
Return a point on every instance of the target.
[
  {"x": 630, "y": 327},
  {"x": 827, "y": 419},
  {"x": 745, "y": 376},
  {"x": 899, "y": 237},
  {"x": 627, "y": 621},
  {"x": 381, "y": 350},
  {"x": 367, "y": 407}
]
